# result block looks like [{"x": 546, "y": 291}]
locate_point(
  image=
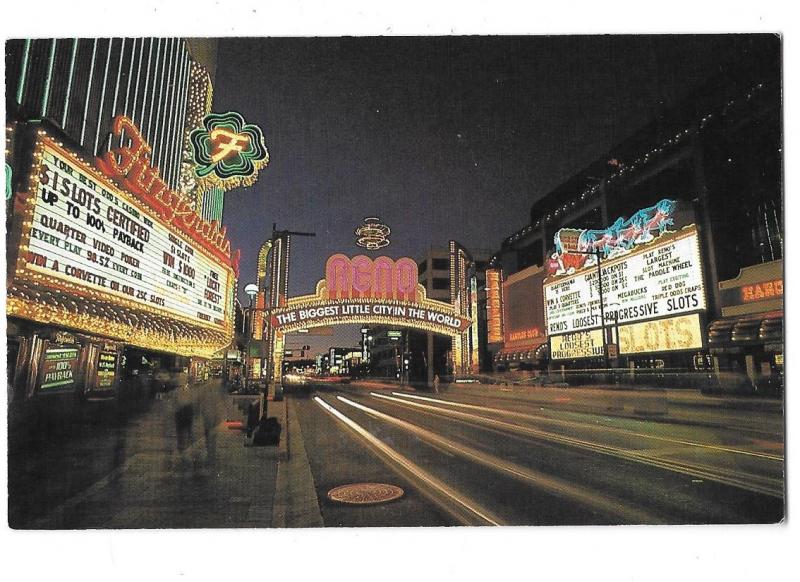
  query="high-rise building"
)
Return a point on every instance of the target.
[
  {"x": 717, "y": 155},
  {"x": 93, "y": 242},
  {"x": 78, "y": 85},
  {"x": 430, "y": 354}
]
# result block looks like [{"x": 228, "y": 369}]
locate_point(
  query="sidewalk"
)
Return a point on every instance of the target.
[{"x": 221, "y": 483}]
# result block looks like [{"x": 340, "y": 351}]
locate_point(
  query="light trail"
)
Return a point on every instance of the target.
[
  {"x": 593, "y": 426},
  {"x": 537, "y": 479},
  {"x": 764, "y": 485},
  {"x": 472, "y": 509}
]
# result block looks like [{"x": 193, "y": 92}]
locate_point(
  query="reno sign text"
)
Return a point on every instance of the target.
[
  {"x": 363, "y": 277},
  {"x": 130, "y": 166}
]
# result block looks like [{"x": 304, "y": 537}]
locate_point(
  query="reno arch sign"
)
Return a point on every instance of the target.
[
  {"x": 373, "y": 311},
  {"x": 365, "y": 290},
  {"x": 363, "y": 277},
  {"x": 362, "y": 290}
]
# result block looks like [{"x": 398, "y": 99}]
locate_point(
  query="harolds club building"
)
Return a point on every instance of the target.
[
  {"x": 713, "y": 162},
  {"x": 112, "y": 275}
]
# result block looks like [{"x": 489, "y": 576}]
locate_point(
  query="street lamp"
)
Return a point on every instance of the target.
[
  {"x": 251, "y": 290},
  {"x": 615, "y": 336},
  {"x": 615, "y": 339}
]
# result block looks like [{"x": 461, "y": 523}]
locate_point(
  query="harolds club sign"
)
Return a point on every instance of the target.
[
  {"x": 761, "y": 291},
  {"x": 130, "y": 165}
]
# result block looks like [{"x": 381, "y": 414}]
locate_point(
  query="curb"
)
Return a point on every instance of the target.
[
  {"x": 295, "y": 503},
  {"x": 278, "y": 410}
]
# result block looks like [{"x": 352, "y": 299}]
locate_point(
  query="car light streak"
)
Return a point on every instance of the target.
[
  {"x": 537, "y": 479},
  {"x": 484, "y": 517},
  {"x": 758, "y": 484},
  {"x": 532, "y": 417}
]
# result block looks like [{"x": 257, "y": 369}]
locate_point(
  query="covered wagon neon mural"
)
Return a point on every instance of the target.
[{"x": 572, "y": 245}]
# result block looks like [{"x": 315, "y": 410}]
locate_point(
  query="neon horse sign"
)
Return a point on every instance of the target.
[{"x": 617, "y": 239}]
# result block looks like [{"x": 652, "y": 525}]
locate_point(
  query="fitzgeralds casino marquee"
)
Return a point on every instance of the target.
[{"x": 115, "y": 253}]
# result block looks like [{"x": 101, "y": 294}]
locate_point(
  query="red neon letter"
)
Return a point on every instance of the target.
[
  {"x": 383, "y": 279},
  {"x": 362, "y": 275},
  {"x": 406, "y": 279},
  {"x": 337, "y": 276}
]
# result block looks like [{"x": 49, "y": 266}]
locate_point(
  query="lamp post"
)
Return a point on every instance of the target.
[
  {"x": 615, "y": 335},
  {"x": 252, "y": 291}
]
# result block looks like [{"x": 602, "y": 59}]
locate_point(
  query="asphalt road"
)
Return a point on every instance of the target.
[{"x": 480, "y": 455}]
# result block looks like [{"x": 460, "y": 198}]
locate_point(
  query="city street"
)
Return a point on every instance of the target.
[
  {"x": 480, "y": 455},
  {"x": 471, "y": 455},
  {"x": 438, "y": 284},
  {"x": 441, "y": 281}
]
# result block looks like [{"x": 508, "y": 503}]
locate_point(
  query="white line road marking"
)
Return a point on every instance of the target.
[
  {"x": 595, "y": 427},
  {"x": 537, "y": 479},
  {"x": 475, "y": 510},
  {"x": 758, "y": 484}
]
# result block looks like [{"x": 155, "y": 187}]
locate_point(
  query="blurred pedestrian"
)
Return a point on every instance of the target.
[
  {"x": 210, "y": 401},
  {"x": 436, "y": 383},
  {"x": 184, "y": 416}
]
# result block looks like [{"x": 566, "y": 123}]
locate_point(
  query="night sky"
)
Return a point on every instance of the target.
[{"x": 441, "y": 137}]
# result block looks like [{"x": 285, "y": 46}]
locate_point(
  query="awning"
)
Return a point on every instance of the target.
[
  {"x": 528, "y": 354},
  {"x": 759, "y": 328}
]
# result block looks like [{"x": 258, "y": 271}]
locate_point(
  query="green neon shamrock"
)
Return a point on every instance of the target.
[{"x": 228, "y": 148}]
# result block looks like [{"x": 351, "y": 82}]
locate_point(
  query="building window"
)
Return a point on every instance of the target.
[
  {"x": 441, "y": 283},
  {"x": 440, "y": 264},
  {"x": 767, "y": 231}
]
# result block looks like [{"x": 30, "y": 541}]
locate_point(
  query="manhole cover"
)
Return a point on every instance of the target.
[{"x": 365, "y": 493}]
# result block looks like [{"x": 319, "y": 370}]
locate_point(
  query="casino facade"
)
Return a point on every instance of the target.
[
  {"x": 698, "y": 288},
  {"x": 114, "y": 279}
]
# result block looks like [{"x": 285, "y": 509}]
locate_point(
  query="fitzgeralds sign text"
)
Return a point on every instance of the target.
[{"x": 130, "y": 165}]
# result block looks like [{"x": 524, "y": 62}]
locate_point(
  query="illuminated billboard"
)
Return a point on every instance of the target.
[
  {"x": 96, "y": 256},
  {"x": 663, "y": 335},
  {"x": 58, "y": 371},
  {"x": 661, "y": 278},
  {"x": 523, "y": 309},
  {"x": 575, "y": 248},
  {"x": 573, "y": 346},
  {"x": 494, "y": 306},
  {"x": 87, "y": 233},
  {"x": 106, "y": 370}
]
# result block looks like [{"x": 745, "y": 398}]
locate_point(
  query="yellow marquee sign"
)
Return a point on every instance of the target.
[{"x": 662, "y": 335}]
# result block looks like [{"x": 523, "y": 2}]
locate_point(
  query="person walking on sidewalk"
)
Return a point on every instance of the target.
[
  {"x": 436, "y": 383},
  {"x": 210, "y": 401},
  {"x": 184, "y": 415}
]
